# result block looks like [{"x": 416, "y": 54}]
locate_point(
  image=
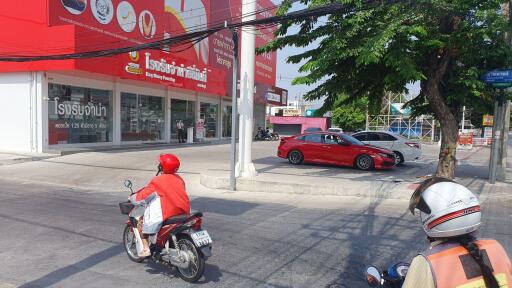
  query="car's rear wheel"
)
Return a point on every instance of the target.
[
  {"x": 295, "y": 157},
  {"x": 364, "y": 162},
  {"x": 399, "y": 158}
]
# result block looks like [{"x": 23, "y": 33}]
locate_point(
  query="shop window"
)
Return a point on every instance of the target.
[
  {"x": 209, "y": 114},
  {"x": 184, "y": 111},
  {"x": 78, "y": 115},
  {"x": 142, "y": 117}
]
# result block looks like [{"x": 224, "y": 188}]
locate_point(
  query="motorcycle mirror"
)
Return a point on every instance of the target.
[
  {"x": 373, "y": 276},
  {"x": 128, "y": 184}
]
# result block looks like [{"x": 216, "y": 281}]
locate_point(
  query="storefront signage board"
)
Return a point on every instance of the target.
[
  {"x": 291, "y": 112},
  {"x": 123, "y": 23},
  {"x": 488, "y": 120}
]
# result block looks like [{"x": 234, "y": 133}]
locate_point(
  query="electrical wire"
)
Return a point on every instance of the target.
[
  {"x": 180, "y": 39},
  {"x": 140, "y": 39}
]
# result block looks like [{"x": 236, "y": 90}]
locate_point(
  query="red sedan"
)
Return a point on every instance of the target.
[{"x": 334, "y": 149}]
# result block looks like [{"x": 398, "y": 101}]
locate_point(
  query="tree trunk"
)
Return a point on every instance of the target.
[
  {"x": 447, "y": 153},
  {"x": 449, "y": 128}
]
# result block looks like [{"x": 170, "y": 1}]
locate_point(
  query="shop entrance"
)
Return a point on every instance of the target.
[{"x": 184, "y": 111}]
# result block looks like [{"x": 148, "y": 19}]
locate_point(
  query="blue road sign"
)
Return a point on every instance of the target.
[{"x": 497, "y": 76}]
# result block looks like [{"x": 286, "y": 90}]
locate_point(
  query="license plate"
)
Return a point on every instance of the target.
[{"x": 201, "y": 238}]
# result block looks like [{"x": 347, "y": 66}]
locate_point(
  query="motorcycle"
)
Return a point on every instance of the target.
[
  {"x": 274, "y": 136},
  {"x": 393, "y": 277},
  {"x": 180, "y": 243},
  {"x": 262, "y": 137}
]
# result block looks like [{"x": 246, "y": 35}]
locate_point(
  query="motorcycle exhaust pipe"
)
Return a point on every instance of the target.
[{"x": 176, "y": 257}]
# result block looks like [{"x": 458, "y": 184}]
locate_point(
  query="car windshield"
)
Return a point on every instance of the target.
[{"x": 351, "y": 140}]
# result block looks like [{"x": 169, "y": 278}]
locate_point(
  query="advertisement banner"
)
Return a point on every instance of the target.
[
  {"x": 465, "y": 139},
  {"x": 488, "y": 120},
  {"x": 205, "y": 66}
]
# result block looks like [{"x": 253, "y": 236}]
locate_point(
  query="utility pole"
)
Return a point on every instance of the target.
[
  {"x": 245, "y": 167},
  {"x": 463, "y": 118},
  {"x": 234, "y": 114},
  {"x": 504, "y": 114},
  {"x": 496, "y": 137}
]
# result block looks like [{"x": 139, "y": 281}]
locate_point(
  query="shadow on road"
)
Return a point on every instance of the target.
[
  {"x": 221, "y": 206},
  {"x": 75, "y": 268}
]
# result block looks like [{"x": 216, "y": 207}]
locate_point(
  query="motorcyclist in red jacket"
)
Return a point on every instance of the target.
[{"x": 169, "y": 190}]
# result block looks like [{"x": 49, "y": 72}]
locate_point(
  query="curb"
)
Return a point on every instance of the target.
[
  {"x": 364, "y": 189},
  {"x": 25, "y": 159},
  {"x": 134, "y": 147}
]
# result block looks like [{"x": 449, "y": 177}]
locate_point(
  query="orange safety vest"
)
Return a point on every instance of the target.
[{"x": 453, "y": 267}]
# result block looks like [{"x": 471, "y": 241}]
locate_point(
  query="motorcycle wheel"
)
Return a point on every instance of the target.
[
  {"x": 129, "y": 245},
  {"x": 196, "y": 265}
]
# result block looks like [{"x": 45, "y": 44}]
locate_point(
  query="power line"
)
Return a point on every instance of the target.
[
  {"x": 191, "y": 29},
  {"x": 185, "y": 38}
]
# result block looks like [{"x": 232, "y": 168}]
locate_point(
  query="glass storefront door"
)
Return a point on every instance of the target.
[
  {"x": 142, "y": 117},
  {"x": 186, "y": 112},
  {"x": 209, "y": 113},
  {"x": 78, "y": 115},
  {"x": 227, "y": 111}
]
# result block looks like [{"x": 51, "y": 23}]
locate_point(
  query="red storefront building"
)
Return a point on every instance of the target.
[{"x": 136, "y": 97}]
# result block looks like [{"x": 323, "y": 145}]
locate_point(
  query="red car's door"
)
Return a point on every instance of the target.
[
  {"x": 312, "y": 148},
  {"x": 339, "y": 152}
]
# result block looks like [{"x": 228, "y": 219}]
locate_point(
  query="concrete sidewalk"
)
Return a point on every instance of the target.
[
  {"x": 209, "y": 165},
  {"x": 278, "y": 176}
]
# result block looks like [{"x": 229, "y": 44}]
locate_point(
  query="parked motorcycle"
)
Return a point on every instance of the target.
[
  {"x": 267, "y": 136},
  {"x": 262, "y": 137},
  {"x": 180, "y": 243},
  {"x": 393, "y": 277}
]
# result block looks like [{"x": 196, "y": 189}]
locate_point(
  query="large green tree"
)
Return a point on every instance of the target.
[
  {"x": 351, "y": 116},
  {"x": 446, "y": 45}
]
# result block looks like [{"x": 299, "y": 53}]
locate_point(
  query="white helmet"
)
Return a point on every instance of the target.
[{"x": 447, "y": 209}]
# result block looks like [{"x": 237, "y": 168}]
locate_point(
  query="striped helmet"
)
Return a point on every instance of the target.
[{"x": 446, "y": 208}]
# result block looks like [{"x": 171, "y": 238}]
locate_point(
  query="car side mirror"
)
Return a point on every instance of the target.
[{"x": 373, "y": 276}]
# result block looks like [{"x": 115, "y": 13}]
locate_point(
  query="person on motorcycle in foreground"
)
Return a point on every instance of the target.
[
  {"x": 450, "y": 213},
  {"x": 165, "y": 197}
]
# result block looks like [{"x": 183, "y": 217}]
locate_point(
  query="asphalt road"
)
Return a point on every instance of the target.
[{"x": 57, "y": 237}]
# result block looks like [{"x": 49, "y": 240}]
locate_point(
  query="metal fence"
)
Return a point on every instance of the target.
[{"x": 421, "y": 128}]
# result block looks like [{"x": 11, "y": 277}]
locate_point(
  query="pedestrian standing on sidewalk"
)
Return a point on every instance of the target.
[{"x": 181, "y": 131}]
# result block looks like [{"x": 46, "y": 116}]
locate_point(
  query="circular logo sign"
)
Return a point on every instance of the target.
[
  {"x": 134, "y": 56},
  {"x": 126, "y": 16},
  {"x": 147, "y": 24},
  {"x": 103, "y": 10},
  {"x": 75, "y": 7}
]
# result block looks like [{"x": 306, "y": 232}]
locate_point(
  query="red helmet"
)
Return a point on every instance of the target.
[{"x": 169, "y": 163}]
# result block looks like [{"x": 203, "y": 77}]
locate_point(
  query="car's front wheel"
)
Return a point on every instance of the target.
[
  {"x": 295, "y": 157},
  {"x": 364, "y": 162},
  {"x": 399, "y": 158}
]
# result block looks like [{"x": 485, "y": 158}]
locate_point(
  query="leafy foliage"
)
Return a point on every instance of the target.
[
  {"x": 371, "y": 51},
  {"x": 350, "y": 117}
]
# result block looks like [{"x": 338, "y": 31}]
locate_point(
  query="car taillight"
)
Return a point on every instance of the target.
[{"x": 413, "y": 144}]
